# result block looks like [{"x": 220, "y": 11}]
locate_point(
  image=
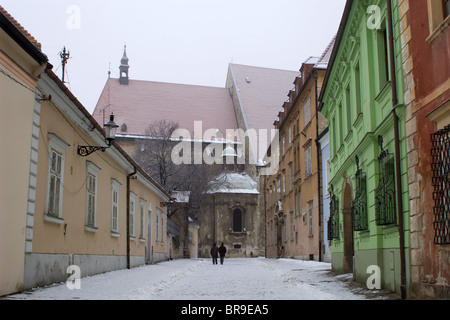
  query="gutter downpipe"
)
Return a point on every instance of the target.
[
  {"x": 397, "y": 155},
  {"x": 129, "y": 177}
]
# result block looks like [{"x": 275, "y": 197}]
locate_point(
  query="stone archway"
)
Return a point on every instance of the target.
[{"x": 347, "y": 226}]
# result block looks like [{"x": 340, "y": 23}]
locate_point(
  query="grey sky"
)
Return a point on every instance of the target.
[{"x": 179, "y": 41}]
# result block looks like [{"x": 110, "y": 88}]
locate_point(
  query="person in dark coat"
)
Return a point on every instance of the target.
[
  {"x": 214, "y": 253},
  {"x": 222, "y": 251}
]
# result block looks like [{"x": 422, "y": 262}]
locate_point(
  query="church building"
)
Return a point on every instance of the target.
[{"x": 232, "y": 212}]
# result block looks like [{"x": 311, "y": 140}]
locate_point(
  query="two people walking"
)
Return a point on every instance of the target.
[{"x": 218, "y": 251}]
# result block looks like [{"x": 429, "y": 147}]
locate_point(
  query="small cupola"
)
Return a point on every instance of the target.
[{"x": 124, "y": 68}]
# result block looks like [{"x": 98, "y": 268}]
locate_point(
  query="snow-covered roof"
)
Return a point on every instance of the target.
[
  {"x": 233, "y": 182},
  {"x": 181, "y": 196}
]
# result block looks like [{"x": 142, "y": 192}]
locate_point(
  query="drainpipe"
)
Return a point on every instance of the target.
[
  {"x": 397, "y": 155},
  {"x": 129, "y": 177},
  {"x": 319, "y": 191}
]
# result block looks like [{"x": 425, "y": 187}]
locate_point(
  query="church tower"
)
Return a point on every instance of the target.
[{"x": 124, "y": 67}]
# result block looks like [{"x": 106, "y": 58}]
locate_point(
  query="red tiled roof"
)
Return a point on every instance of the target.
[
  {"x": 140, "y": 103},
  {"x": 20, "y": 28}
]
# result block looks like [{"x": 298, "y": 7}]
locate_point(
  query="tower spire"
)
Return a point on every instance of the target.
[{"x": 124, "y": 67}]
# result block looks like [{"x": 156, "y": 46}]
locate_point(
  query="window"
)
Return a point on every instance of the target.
[
  {"x": 115, "y": 205},
  {"x": 333, "y": 220},
  {"x": 283, "y": 190},
  {"x": 358, "y": 89},
  {"x": 91, "y": 195},
  {"x": 141, "y": 218},
  {"x": 348, "y": 109},
  {"x": 383, "y": 56},
  {"x": 57, "y": 149},
  {"x": 440, "y": 153},
  {"x": 341, "y": 125},
  {"x": 292, "y": 227},
  {"x": 290, "y": 177},
  {"x": 359, "y": 204},
  {"x": 333, "y": 135},
  {"x": 282, "y": 146},
  {"x": 290, "y": 136},
  {"x": 237, "y": 220},
  {"x": 158, "y": 211},
  {"x": 307, "y": 111},
  {"x": 132, "y": 213},
  {"x": 438, "y": 12},
  {"x": 385, "y": 206},
  {"x": 310, "y": 216},
  {"x": 162, "y": 227},
  {"x": 278, "y": 189},
  {"x": 55, "y": 183},
  {"x": 308, "y": 165}
]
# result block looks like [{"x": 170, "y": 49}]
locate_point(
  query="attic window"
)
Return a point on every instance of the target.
[
  {"x": 123, "y": 127},
  {"x": 248, "y": 80}
]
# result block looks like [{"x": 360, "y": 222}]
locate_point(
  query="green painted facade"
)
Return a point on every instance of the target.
[{"x": 357, "y": 101}]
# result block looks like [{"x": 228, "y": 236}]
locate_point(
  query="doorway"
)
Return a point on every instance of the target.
[{"x": 348, "y": 229}]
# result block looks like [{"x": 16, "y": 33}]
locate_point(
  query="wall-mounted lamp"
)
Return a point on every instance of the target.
[{"x": 110, "y": 132}]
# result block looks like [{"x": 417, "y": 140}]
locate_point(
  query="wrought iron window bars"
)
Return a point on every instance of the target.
[
  {"x": 385, "y": 210},
  {"x": 359, "y": 204},
  {"x": 333, "y": 221},
  {"x": 440, "y": 153}
]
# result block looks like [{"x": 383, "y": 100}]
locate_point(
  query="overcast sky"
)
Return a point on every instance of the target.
[{"x": 179, "y": 41}]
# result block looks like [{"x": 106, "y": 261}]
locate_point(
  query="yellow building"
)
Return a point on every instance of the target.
[
  {"x": 21, "y": 61},
  {"x": 60, "y": 207},
  {"x": 293, "y": 195}
]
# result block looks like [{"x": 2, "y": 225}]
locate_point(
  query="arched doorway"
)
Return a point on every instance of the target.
[{"x": 347, "y": 228}]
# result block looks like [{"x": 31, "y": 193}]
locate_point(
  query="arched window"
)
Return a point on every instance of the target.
[{"x": 237, "y": 220}]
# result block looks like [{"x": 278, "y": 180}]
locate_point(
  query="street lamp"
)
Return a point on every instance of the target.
[{"x": 110, "y": 133}]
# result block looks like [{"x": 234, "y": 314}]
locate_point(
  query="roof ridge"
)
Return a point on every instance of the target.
[
  {"x": 259, "y": 67},
  {"x": 20, "y": 28}
]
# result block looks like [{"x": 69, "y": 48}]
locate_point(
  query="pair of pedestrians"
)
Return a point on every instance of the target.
[{"x": 218, "y": 251}]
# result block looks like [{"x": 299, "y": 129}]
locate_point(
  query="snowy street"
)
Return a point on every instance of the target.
[{"x": 199, "y": 279}]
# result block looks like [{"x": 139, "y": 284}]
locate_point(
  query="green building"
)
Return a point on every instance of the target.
[{"x": 362, "y": 99}]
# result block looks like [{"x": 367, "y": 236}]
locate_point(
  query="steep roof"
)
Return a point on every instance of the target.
[
  {"x": 140, "y": 103},
  {"x": 261, "y": 92}
]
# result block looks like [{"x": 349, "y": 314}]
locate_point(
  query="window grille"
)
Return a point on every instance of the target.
[
  {"x": 333, "y": 221},
  {"x": 385, "y": 192},
  {"x": 440, "y": 153},
  {"x": 359, "y": 206}
]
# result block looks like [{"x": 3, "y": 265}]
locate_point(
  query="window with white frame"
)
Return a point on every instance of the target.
[
  {"x": 141, "y": 218},
  {"x": 158, "y": 212},
  {"x": 162, "y": 227},
  {"x": 115, "y": 185},
  {"x": 57, "y": 149},
  {"x": 132, "y": 212},
  {"x": 308, "y": 166},
  {"x": 91, "y": 194}
]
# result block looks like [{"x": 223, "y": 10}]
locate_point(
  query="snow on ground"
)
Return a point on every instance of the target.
[{"x": 199, "y": 279}]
